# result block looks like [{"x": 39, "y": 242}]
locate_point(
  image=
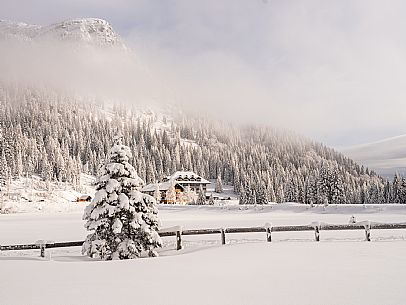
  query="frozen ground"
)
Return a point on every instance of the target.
[{"x": 341, "y": 269}]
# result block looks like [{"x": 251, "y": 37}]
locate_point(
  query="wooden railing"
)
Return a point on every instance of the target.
[{"x": 267, "y": 228}]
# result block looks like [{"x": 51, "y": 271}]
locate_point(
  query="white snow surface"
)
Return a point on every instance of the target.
[{"x": 293, "y": 269}]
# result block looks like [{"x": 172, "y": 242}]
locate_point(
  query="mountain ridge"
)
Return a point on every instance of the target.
[{"x": 94, "y": 31}]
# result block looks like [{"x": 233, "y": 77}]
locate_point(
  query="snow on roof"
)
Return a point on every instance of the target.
[
  {"x": 181, "y": 176},
  {"x": 163, "y": 186},
  {"x": 178, "y": 177}
]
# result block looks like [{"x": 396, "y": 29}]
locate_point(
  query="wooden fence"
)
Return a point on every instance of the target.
[{"x": 267, "y": 228}]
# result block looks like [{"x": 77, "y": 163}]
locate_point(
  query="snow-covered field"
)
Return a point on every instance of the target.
[{"x": 341, "y": 269}]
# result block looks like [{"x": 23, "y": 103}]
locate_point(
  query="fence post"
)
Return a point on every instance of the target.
[
  {"x": 268, "y": 235},
  {"x": 367, "y": 227},
  {"x": 268, "y": 228},
  {"x": 317, "y": 233},
  {"x": 178, "y": 240},
  {"x": 42, "y": 247},
  {"x": 223, "y": 236}
]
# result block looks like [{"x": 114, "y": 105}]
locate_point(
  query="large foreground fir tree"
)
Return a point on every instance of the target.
[{"x": 124, "y": 221}]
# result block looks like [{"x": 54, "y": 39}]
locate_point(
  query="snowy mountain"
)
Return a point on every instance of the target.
[
  {"x": 89, "y": 30},
  {"x": 385, "y": 157}
]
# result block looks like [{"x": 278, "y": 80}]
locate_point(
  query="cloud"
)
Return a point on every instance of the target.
[
  {"x": 83, "y": 69},
  {"x": 332, "y": 70},
  {"x": 326, "y": 69}
]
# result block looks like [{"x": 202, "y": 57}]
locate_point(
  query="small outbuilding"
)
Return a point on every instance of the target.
[{"x": 84, "y": 198}]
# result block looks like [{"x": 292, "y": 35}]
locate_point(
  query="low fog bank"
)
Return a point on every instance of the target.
[
  {"x": 84, "y": 69},
  {"x": 333, "y": 72}
]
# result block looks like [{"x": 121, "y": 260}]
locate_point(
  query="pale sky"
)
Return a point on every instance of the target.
[{"x": 332, "y": 70}]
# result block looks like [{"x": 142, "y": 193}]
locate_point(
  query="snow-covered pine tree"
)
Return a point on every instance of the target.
[
  {"x": 291, "y": 190},
  {"x": 325, "y": 201},
  {"x": 330, "y": 184},
  {"x": 19, "y": 165},
  {"x": 311, "y": 191},
  {"x": 271, "y": 194},
  {"x": 251, "y": 196},
  {"x": 243, "y": 197},
  {"x": 280, "y": 195},
  {"x": 201, "y": 198},
  {"x": 262, "y": 197},
  {"x": 4, "y": 170},
  {"x": 219, "y": 185},
  {"x": 336, "y": 188},
  {"x": 157, "y": 193},
  {"x": 397, "y": 180},
  {"x": 123, "y": 221},
  {"x": 375, "y": 195},
  {"x": 189, "y": 196},
  {"x": 211, "y": 199},
  {"x": 324, "y": 182},
  {"x": 387, "y": 192},
  {"x": 363, "y": 194},
  {"x": 402, "y": 190}
]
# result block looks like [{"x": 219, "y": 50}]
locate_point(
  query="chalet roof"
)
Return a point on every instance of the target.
[
  {"x": 189, "y": 177},
  {"x": 163, "y": 186},
  {"x": 178, "y": 177}
]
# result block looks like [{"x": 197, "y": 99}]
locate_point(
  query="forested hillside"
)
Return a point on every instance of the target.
[{"x": 57, "y": 136}]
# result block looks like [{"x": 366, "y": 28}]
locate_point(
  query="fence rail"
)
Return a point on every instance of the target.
[{"x": 267, "y": 228}]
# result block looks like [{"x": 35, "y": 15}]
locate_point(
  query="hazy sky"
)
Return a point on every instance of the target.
[{"x": 333, "y": 70}]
